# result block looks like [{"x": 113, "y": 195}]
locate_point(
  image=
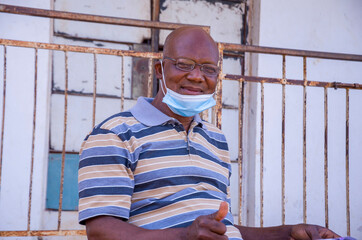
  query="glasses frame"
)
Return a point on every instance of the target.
[{"x": 195, "y": 64}]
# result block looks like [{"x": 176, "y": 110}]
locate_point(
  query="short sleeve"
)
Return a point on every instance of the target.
[{"x": 105, "y": 176}]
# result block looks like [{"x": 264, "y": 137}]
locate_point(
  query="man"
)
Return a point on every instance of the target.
[{"x": 158, "y": 171}]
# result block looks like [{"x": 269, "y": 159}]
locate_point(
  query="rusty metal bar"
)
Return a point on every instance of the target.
[
  {"x": 122, "y": 84},
  {"x": 305, "y": 140},
  {"x": 3, "y": 115},
  {"x": 155, "y": 36},
  {"x": 294, "y": 82},
  {"x": 291, "y": 52},
  {"x": 59, "y": 152},
  {"x": 92, "y": 18},
  {"x": 72, "y": 48},
  {"x": 94, "y": 89},
  {"x": 283, "y": 144},
  {"x": 64, "y": 141},
  {"x": 245, "y": 48},
  {"x": 42, "y": 233},
  {"x": 155, "y": 13},
  {"x": 218, "y": 107},
  {"x": 348, "y": 213},
  {"x": 205, "y": 115},
  {"x": 240, "y": 154},
  {"x": 150, "y": 78},
  {"x": 326, "y": 157},
  {"x": 262, "y": 155},
  {"x": 75, "y": 93},
  {"x": 33, "y": 137}
]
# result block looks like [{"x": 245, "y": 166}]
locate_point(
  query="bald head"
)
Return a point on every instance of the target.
[{"x": 187, "y": 38}]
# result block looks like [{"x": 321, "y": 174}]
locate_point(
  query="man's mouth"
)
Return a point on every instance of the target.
[{"x": 191, "y": 90}]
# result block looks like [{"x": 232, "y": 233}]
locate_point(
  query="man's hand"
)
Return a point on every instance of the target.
[
  {"x": 209, "y": 226},
  {"x": 286, "y": 232},
  {"x": 310, "y": 232}
]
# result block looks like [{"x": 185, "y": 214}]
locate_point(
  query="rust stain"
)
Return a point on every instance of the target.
[
  {"x": 304, "y": 140},
  {"x": 326, "y": 209},
  {"x": 43, "y": 233},
  {"x": 348, "y": 211},
  {"x": 262, "y": 155},
  {"x": 33, "y": 138},
  {"x": 64, "y": 142},
  {"x": 3, "y": 115},
  {"x": 294, "y": 82},
  {"x": 291, "y": 52},
  {"x": 122, "y": 85},
  {"x": 94, "y": 89},
  {"x": 240, "y": 153},
  {"x": 150, "y": 78},
  {"x": 218, "y": 107},
  {"x": 283, "y": 141},
  {"x": 72, "y": 48}
]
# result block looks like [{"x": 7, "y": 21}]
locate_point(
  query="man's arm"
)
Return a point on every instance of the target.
[
  {"x": 111, "y": 228},
  {"x": 287, "y": 232},
  {"x": 204, "y": 227}
]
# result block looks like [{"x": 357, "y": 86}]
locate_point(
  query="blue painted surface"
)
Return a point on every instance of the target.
[{"x": 70, "y": 187}]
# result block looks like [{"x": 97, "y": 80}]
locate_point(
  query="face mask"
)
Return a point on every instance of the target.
[{"x": 185, "y": 105}]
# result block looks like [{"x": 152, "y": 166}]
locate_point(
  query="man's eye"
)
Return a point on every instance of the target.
[
  {"x": 210, "y": 69},
  {"x": 184, "y": 65}
]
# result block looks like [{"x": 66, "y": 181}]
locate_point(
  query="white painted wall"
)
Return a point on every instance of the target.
[
  {"x": 19, "y": 117},
  {"x": 332, "y": 26}
]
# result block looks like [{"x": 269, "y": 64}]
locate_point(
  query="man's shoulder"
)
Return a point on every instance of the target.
[
  {"x": 117, "y": 120},
  {"x": 211, "y": 127}
]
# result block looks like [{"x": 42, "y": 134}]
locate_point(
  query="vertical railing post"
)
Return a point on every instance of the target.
[{"x": 33, "y": 138}]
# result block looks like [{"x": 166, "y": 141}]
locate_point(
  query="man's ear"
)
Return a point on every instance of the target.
[{"x": 158, "y": 70}]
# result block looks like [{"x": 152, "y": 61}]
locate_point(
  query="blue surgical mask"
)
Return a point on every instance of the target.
[{"x": 185, "y": 105}]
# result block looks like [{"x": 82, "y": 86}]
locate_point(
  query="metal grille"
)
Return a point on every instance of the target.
[{"x": 216, "y": 113}]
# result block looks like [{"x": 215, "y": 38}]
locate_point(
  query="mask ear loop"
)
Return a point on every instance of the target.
[{"x": 163, "y": 82}]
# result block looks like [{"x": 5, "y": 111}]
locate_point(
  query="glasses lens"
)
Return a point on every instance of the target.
[
  {"x": 188, "y": 65},
  {"x": 210, "y": 69},
  {"x": 185, "y": 64}
]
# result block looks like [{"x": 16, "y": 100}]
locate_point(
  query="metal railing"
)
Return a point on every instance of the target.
[{"x": 242, "y": 79}]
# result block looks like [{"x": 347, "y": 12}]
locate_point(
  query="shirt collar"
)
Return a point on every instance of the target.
[{"x": 148, "y": 115}]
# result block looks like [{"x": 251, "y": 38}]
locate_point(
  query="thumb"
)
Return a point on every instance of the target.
[{"x": 222, "y": 212}]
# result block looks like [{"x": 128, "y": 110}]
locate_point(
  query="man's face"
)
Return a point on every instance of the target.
[{"x": 199, "y": 48}]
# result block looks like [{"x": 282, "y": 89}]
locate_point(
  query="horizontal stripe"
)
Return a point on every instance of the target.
[
  {"x": 103, "y": 211},
  {"x": 105, "y": 191},
  {"x": 97, "y": 174},
  {"x": 109, "y": 200},
  {"x": 152, "y": 164},
  {"x": 102, "y": 182},
  {"x": 163, "y": 153},
  {"x": 171, "y": 172},
  {"x": 220, "y": 141},
  {"x": 174, "y": 192},
  {"x": 164, "y": 202},
  {"x": 102, "y": 160},
  {"x": 209, "y": 157},
  {"x": 122, "y": 202},
  {"x": 180, "y": 180}
]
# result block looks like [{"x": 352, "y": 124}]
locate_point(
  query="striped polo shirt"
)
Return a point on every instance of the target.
[{"x": 143, "y": 167}]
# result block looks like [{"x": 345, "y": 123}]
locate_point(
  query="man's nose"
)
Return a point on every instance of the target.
[{"x": 196, "y": 74}]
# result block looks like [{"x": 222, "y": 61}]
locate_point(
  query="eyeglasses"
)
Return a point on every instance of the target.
[{"x": 187, "y": 65}]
